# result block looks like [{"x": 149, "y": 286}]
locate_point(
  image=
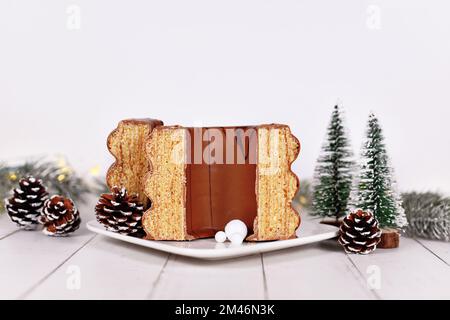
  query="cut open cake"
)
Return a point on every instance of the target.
[
  {"x": 127, "y": 144},
  {"x": 201, "y": 178}
]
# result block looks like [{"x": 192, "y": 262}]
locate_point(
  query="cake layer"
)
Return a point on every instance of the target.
[
  {"x": 166, "y": 185},
  {"x": 127, "y": 144},
  {"x": 276, "y": 184}
]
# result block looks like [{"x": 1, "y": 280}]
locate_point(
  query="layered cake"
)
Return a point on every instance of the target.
[
  {"x": 198, "y": 179},
  {"x": 127, "y": 144}
]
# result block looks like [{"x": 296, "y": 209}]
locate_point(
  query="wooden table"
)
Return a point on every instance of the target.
[{"x": 89, "y": 266}]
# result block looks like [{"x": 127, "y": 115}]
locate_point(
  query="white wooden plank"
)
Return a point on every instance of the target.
[
  {"x": 35, "y": 266},
  {"x": 27, "y": 257},
  {"x": 316, "y": 271},
  {"x": 6, "y": 226},
  {"x": 188, "y": 278},
  {"x": 439, "y": 248},
  {"x": 408, "y": 272},
  {"x": 107, "y": 269}
]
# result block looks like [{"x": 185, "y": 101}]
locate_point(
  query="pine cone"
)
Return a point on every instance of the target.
[
  {"x": 60, "y": 217},
  {"x": 25, "y": 206},
  {"x": 120, "y": 212},
  {"x": 359, "y": 232}
]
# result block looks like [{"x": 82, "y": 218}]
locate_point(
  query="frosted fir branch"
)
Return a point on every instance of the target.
[
  {"x": 61, "y": 180},
  {"x": 428, "y": 214}
]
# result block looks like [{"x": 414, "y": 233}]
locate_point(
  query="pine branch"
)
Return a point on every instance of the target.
[
  {"x": 304, "y": 195},
  {"x": 428, "y": 215},
  {"x": 59, "y": 179}
]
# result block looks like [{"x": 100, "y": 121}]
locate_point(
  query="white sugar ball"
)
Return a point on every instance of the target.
[
  {"x": 236, "y": 226},
  {"x": 236, "y": 238},
  {"x": 220, "y": 237}
]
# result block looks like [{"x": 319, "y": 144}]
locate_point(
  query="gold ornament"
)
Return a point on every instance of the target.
[
  {"x": 12, "y": 176},
  {"x": 95, "y": 171}
]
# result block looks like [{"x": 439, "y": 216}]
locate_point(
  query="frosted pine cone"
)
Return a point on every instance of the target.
[
  {"x": 25, "y": 206},
  {"x": 60, "y": 217},
  {"x": 359, "y": 232},
  {"x": 120, "y": 212}
]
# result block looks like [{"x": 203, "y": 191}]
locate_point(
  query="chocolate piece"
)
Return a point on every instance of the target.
[
  {"x": 198, "y": 186},
  {"x": 127, "y": 144}
]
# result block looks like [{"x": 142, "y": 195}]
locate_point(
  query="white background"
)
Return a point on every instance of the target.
[{"x": 62, "y": 90}]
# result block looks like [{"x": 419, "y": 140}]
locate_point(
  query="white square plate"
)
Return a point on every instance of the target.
[{"x": 309, "y": 231}]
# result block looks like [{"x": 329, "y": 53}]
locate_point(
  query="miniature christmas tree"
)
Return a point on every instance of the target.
[
  {"x": 374, "y": 188},
  {"x": 333, "y": 173}
]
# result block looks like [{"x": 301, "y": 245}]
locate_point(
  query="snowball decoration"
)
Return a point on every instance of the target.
[
  {"x": 236, "y": 238},
  {"x": 235, "y": 231},
  {"x": 236, "y": 226},
  {"x": 220, "y": 237}
]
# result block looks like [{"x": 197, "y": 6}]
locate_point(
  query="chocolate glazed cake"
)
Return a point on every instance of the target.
[
  {"x": 127, "y": 144},
  {"x": 201, "y": 178}
]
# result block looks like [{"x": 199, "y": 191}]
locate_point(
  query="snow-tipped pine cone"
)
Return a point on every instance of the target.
[
  {"x": 359, "y": 232},
  {"x": 25, "y": 206},
  {"x": 59, "y": 217},
  {"x": 120, "y": 212}
]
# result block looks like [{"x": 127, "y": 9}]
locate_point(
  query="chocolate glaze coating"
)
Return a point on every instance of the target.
[{"x": 219, "y": 192}]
